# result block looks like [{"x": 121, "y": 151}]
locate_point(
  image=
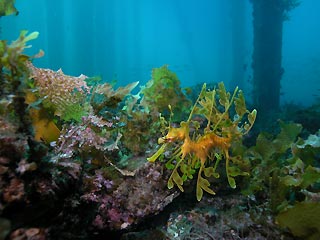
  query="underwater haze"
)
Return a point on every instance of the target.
[
  {"x": 202, "y": 41},
  {"x": 165, "y": 120}
]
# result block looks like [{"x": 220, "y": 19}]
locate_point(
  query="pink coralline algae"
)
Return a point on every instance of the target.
[
  {"x": 94, "y": 186},
  {"x": 136, "y": 198},
  {"x": 88, "y": 136}
]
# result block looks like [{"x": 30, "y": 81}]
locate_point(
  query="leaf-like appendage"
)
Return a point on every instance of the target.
[
  {"x": 240, "y": 104},
  {"x": 203, "y": 90},
  {"x": 231, "y": 181},
  {"x": 199, "y": 192},
  {"x": 155, "y": 156},
  {"x": 170, "y": 183},
  {"x": 177, "y": 179},
  {"x": 252, "y": 116},
  {"x": 187, "y": 171},
  {"x": 207, "y": 105},
  {"x": 184, "y": 177},
  {"x": 233, "y": 171},
  {"x": 210, "y": 171},
  {"x": 169, "y": 166},
  {"x": 224, "y": 96},
  {"x": 203, "y": 184}
]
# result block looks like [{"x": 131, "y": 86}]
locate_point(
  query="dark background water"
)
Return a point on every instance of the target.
[{"x": 125, "y": 39}]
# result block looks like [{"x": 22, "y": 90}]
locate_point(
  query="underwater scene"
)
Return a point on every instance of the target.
[{"x": 149, "y": 119}]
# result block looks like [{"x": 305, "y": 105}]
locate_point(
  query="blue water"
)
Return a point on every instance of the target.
[{"x": 125, "y": 39}]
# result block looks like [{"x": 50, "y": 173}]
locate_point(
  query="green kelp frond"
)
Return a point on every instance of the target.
[
  {"x": 303, "y": 220},
  {"x": 284, "y": 167},
  {"x": 268, "y": 156}
]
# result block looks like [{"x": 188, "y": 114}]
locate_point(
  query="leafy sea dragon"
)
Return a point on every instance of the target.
[{"x": 208, "y": 146}]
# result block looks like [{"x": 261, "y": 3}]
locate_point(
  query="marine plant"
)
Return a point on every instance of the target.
[
  {"x": 141, "y": 111},
  {"x": 105, "y": 97},
  {"x": 267, "y": 156},
  {"x": 64, "y": 95},
  {"x": 137, "y": 132},
  {"x": 14, "y": 75},
  {"x": 285, "y": 178},
  {"x": 141, "y": 125},
  {"x": 13, "y": 62},
  {"x": 283, "y": 166},
  {"x": 302, "y": 220},
  {"x": 7, "y": 8},
  {"x": 201, "y": 148},
  {"x": 162, "y": 90}
]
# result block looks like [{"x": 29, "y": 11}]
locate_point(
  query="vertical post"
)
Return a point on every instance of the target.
[{"x": 268, "y": 19}]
